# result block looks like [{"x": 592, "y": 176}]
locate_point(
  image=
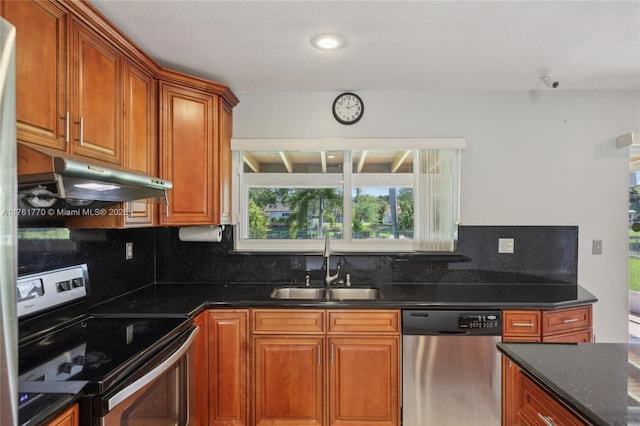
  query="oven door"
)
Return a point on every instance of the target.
[{"x": 161, "y": 393}]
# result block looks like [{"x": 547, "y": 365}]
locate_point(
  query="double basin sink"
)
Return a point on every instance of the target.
[{"x": 326, "y": 293}]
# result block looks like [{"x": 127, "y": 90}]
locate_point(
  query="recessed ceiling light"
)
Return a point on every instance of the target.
[{"x": 328, "y": 41}]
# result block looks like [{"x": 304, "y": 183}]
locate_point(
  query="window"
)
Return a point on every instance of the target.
[{"x": 365, "y": 194}]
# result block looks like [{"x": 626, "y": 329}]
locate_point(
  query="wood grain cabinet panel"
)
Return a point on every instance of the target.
[
  {"x": 187, "y": 152},
  {"x": 201, "y": 344},
  {"x": 361, "y": 369},
  {"x": 521, "y": 325},
  {"x": 537, "y": 407},
  {"x": 288, "y": 321},
  {"x": 288, "y": 374},
  {"x": 96, "y": 95},
  {"x": 364, "y": 381},
  {"x": 568, "y": 320},
  {"x": 69, "y": 417},
  {"x": 228, "y": 333},
  {"x": 41, "y": 79},
  {"x": 359, "y": 321}
]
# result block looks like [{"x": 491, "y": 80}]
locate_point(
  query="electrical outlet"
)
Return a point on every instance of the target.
[
  {"x": 596, "y": 247},
  {"x": 505, "y": 245},
  {"x": 128, "y": 251}
]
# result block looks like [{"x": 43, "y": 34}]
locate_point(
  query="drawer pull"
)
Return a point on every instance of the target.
[
  {"x": 546, "y": 420},
  {"x": 567, "y": 321},
  {"x": 522, "y": 324}
]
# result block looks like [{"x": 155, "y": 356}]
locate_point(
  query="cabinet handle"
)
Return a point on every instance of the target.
[
  {"x": 522, "y": 324},
  {"x": 567, "y": 321},
  {"x": 81, "y": 124},
  {"x": 546, "y": 420},
  {"x": 66, "y": 127},
  {"x": 318, "y": 354},
  {"x": 332, "y": 354}
]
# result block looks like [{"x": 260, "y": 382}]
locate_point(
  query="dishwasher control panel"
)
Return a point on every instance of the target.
[{"x": 475, "y": 321}]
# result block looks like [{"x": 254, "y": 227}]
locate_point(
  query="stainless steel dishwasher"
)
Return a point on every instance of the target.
[{"x": 451, "y": 370}]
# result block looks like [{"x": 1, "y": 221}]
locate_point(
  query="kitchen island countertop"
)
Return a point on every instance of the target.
[{"x": 589, "y": 378}]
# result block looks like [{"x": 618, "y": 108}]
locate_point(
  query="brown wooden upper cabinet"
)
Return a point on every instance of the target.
[
  {"x": 96, "y": 96},
  {"x": 41, "y": 72},
  {"x": 69, "y": 82},
  {"x": 195, "y": 138},
  {"x": 85, "y": 89}
]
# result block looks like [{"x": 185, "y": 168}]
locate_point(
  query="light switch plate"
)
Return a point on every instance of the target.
[
  {"x": 596, "y": 247},
  {"x": 505, "y": 245}
]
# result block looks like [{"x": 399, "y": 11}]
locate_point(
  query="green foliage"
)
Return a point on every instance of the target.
[
  {"x": 634, "y": 274},
  {"x": 258, "y": 221}
]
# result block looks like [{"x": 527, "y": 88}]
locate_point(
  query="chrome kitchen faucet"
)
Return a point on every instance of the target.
[{"x": 328, "y": 278}]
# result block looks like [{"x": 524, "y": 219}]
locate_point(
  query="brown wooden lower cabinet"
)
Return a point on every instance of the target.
[
  {"x": 69, "y": 417},
  {"x": 567, "y": 325},
  {"x": 326, "y": 367},
  {"x": 288, "y": 380},
  {"x": 363, "y": 380},
  {"x": 537, "y": 407},
  {"x": 227, "y": 349}
]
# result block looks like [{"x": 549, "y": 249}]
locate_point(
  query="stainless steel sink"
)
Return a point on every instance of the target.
[
  {"x": 329, "y": 294},
  {"x": 354, "y": 293},
  {"x": 299, "y": 293}
]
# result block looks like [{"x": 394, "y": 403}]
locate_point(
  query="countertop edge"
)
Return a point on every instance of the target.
[{"x": 551, "y": 387}]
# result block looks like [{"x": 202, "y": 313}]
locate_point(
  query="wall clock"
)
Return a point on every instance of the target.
[{"x": 348, "y": 108}]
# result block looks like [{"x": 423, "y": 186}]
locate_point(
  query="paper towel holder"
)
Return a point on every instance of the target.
[{"x": 201, "y": 233}]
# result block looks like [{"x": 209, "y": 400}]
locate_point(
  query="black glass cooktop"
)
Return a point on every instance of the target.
[{"x": 99, "y": 350}]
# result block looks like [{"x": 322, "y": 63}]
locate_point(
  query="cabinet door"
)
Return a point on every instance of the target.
[
  {"x": 223, "y": 162},
  {"x": 96, "y": 96},
  {"x": 364, "y": 381},
  {"x": 227, "y": 331},
  {"x": 68, "y": 418},
  {"x": 187, "y": 154},
  {"x": 288, "y": 380},
  {"x": 139, "y": 142},
  {"x": 201, "y": 368},
  {"x": 510, "y": 380},
  {"x": 41, "y": 83}
]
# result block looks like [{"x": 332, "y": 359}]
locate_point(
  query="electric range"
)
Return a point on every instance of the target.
[{"x": 64, "y": 351}]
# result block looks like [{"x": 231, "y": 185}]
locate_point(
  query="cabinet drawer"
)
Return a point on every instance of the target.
[
  {"x": 344, "y": 321},
  {"x": 521, "y": 323},
  {"x": 564, "y": 320},
  {"x": 275, "y": 321},
  {"x": 582, "y": 336},
  {"x": 537, "y": 407}
]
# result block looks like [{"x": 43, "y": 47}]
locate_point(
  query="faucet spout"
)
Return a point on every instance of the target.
[{"x": 329, "y": 278}]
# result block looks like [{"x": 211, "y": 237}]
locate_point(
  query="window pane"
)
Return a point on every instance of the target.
[
  {"x": 292, "y": 161},
  {"x": 382, "y": 213},
  {"x": 383, "y": 161},
  {"x": 298, "y": 213}
]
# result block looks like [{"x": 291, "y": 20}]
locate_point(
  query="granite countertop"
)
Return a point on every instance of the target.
[
  {"x": 590, "y": 378},
  {"x": 189, "y": 298}
]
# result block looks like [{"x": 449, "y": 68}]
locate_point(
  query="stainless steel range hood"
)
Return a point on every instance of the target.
[{"x": 45, "y": 175}]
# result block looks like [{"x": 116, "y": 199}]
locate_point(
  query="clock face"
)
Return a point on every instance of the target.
[{"x": 348, "y": 108}]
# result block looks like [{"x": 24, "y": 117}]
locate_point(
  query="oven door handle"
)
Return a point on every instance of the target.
[{"x": 153, "y": 374}]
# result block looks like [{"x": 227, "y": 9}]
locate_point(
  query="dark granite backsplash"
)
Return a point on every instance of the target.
[
  {"x": 541, "y": 255},
  {"x": 41, "y": 249}
]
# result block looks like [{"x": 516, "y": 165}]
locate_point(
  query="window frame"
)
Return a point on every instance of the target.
[{"x": 348, "y": 146}]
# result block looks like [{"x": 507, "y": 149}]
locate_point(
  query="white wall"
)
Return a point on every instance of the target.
[{"x": 532, "y": 158}]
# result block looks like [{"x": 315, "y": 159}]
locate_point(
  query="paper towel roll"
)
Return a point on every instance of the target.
[{"x": 205, "y": 233}]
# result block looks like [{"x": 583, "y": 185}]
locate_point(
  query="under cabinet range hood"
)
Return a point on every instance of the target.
[{"x": 46, "y": 176}]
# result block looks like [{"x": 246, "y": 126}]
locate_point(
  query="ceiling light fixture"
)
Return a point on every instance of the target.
[
  {"x": 546, "y": 79},
  {"x": 328, "y": 41}
]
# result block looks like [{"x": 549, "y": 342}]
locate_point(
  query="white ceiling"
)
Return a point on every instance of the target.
[{"x": 257, "y": 46}]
